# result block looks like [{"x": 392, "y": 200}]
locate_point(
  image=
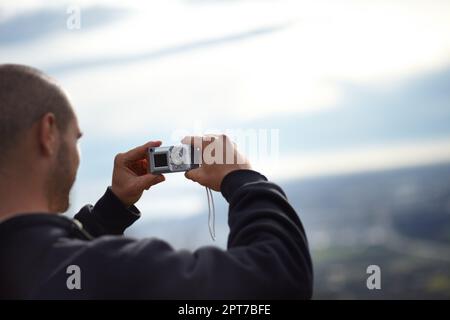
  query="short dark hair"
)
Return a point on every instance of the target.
[{"x": 27, "y": 94}]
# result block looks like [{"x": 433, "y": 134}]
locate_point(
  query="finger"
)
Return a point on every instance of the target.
[
  {"x": 190, "y": 173},
  {"x": 199, "y": 141},
  {"x": 144, "y": 165},
  {"x": 148, "y": 180},
  {"x": 140, "y": 152},
  {"x": 211, "y": 136},
  {"x": 159, "y": 180},
  {"x": 192, "y": 140},
  {"x": 194, "y": 174},
  {"x": 139, "y": 167}
]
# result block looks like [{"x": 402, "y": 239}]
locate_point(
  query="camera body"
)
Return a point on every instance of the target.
[{"x": 173, "y": 159}]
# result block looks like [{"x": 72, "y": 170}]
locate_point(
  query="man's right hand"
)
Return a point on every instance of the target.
[
  {"x": 219, "y": 157},
  {"x": 130, "y": 176}
]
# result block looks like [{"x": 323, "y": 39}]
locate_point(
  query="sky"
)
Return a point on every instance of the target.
[{"x": 349, "y": 85}]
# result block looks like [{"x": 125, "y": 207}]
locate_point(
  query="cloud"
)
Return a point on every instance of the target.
[
  {"x": 297, "y": 69},
  {"x": 38, "y": 24}
]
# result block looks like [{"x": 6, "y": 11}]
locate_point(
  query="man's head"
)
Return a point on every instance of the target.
[{"x": 38, "y": 133}]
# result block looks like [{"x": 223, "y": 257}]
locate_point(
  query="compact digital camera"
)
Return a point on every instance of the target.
[{"x": 173, "y": 158}]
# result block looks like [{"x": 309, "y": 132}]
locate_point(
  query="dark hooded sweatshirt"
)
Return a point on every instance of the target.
[{"x": 267, "y": 254}]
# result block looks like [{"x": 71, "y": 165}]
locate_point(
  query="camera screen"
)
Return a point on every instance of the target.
[{"x": 160, "y": 159}]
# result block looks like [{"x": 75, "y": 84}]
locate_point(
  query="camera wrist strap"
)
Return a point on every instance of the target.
[{"x": 212, "y": 227}]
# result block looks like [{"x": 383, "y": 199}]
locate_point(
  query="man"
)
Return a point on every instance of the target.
[{"x": 267, "y": 255}]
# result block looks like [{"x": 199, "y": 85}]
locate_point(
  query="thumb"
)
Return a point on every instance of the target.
[
  {"x": 192, "y": 174},
  {"x": 147, "y": 180},
  {"x": 196, "y": 175}
]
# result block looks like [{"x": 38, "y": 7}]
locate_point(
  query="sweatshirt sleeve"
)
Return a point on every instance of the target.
[
  {"x": 107, "y": 216},
  {"x": 267, "y": 256}
]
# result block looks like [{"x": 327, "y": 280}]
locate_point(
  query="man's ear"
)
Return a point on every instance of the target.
[{"x": 48, "y": 134}]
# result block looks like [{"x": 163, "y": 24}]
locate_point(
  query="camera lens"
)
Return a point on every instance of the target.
[{"x": 177, "y": 156}]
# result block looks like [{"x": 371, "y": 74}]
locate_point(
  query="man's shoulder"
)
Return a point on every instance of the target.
[{"x": 41, "y": 225}]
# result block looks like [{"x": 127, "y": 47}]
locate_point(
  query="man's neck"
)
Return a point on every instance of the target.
[{"x": 19, "y": 198}]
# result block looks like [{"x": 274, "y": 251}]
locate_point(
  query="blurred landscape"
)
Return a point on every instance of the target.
[{"x": 396, "y": 219}]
